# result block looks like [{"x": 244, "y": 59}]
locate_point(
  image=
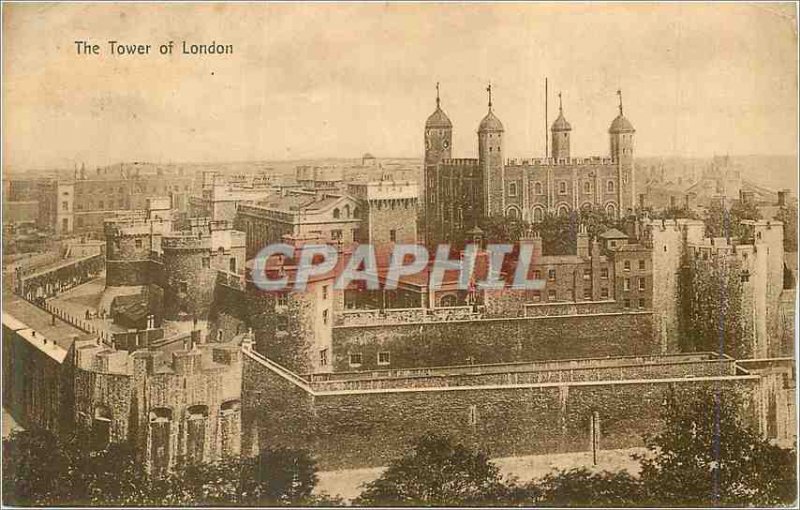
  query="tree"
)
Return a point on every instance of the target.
[
  {"x": 502, "y": 229},
  {"x": 40, "y": 470},
  {"x": 710, "y": 298},
  {"x": 584, "y": 488},
  {"x": 707, "y": 456},
  {"x": 437, "y": 472},
  {"x": 788, "y": 215},
  {"x": 721, "y": 222},
  {"x": 281, "y": 476},
  {"x": 37, "y": 470}
]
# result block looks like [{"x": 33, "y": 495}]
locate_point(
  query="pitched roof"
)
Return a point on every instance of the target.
[{"x": 613, "y": 233}]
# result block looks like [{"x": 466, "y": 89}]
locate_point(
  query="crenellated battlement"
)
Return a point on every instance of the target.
[
  {"x": 460, "y": 162},
  {"x": 592, "y": 160},
  {"x": 186, "y": 242}
]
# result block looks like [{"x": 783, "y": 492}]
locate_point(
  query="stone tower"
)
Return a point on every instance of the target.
[
  {"x": 560, "y": 132},
  {"x": 438, "y": 140},
  {"x": 621, "y": 136},
  {"x": 490, "y": 160}
]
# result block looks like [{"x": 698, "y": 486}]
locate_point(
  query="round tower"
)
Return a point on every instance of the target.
[
  {"x": 189, "y": 276},
  {"x": 438, "y": 135},
  {"x": 490, "y": 158},
  {"x": 438, "y": 140},
  {"x": 560, "y": 133},
  {"x": 621, "y": 135}
]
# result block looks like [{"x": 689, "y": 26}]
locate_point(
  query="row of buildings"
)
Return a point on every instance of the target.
[{"x": 179, "y": 352}]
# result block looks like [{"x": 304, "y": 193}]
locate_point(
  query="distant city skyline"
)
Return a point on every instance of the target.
[{"x": 335, "y": 81}]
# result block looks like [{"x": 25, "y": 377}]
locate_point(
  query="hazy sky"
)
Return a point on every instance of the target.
[{"x": 328, "y": 80}]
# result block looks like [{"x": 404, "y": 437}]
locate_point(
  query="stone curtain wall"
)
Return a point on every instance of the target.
[
  {"x": 34, "y": 387},
  {"x": 369, "y": 429},
  {"x": 495, "y": 340}
]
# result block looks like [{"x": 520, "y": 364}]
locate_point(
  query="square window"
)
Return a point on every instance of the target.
[
  {"x": 324, "y": 292},
  {"x": 383, "y": 358},
  {"x": 642, "y": 265},
  {"x": 355, "y": 359},
  {"x": 604, "y": 292},
  {"x": 206, "y": 262},
  {"x": 587, "y": 293},
  {"x": 626, "y": 284},
  {"x": 472, "y": 417},
  {"x": 587, "y": 274},
  {"x": 537, "y": 275},
  {"x": 393, "y": 235},
  {"x": 626, "y": 303},
  {"x": 537, "y": 296},
  {"x": 325, "y": 317},
  {"x": 551, "y": 295},
  {"x": 627, "y": 265},
  {"x": 138, "y": 243},
  {"x": 282, "y": 299},
  {"x": 642, "y": 284},
  {"x": 283, "y": 323},
  {"x": 604, "y": 273},
  {"x": 323, "y": 357},
  {"x": 641, "y": 303},
  {"x": 336, "y": 234},
  {"x": 551, "y": 275}
]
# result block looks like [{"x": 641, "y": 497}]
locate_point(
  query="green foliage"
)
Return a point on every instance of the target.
[
  {"x": 710, "y": 299},
  {"x": 500, "y": 229},
  {"x": 282, "y": 475},
  {"x": 706, "y": 456},
  {"x": 36, "y": 470},
  {"x": 584, "y": 488},
  {"x": 39, "y": 470},
  {"x": 788, "y": 215},
  {"x": 726, "y": 223},
  {"x": 672, "y": 212},
  {"x": 437, "y": 472}
]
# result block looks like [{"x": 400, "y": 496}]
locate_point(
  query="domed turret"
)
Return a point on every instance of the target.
[
  {"x": 438, "y": 119},
  {"x": 490, "y": 159},
  {"x": 621, "y": 134},
  {"x": 490, "y": 123},
  {"x": 560, "y": 134},
  {"x": 621, "y": 125}
]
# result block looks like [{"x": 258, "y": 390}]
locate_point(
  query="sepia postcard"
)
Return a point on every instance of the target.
[{"x": 333, "y": 254}]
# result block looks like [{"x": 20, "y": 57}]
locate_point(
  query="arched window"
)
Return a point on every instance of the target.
[
  {"x": 587, "y": 187},
  {"x": 562, "y": 188},
  {"x": 610, "y": 186},
  {"x": 101, "y": 427},
  {"x": 563, "y": 210},
  {"x": 336, "y": 213},
  {"x": 537, "y": 188},
  {"x": 611, "y": 210},
  {"x": 347, "y": 211},
  {"x": 538, "y": 214},
  {"x": 448, "y": 300},
  {"x": 512, "y": 189},
  {"x": 513, "y": 213}
]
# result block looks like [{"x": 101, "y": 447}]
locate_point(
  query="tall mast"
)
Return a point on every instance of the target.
[{"x": 546, "y": 139}]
